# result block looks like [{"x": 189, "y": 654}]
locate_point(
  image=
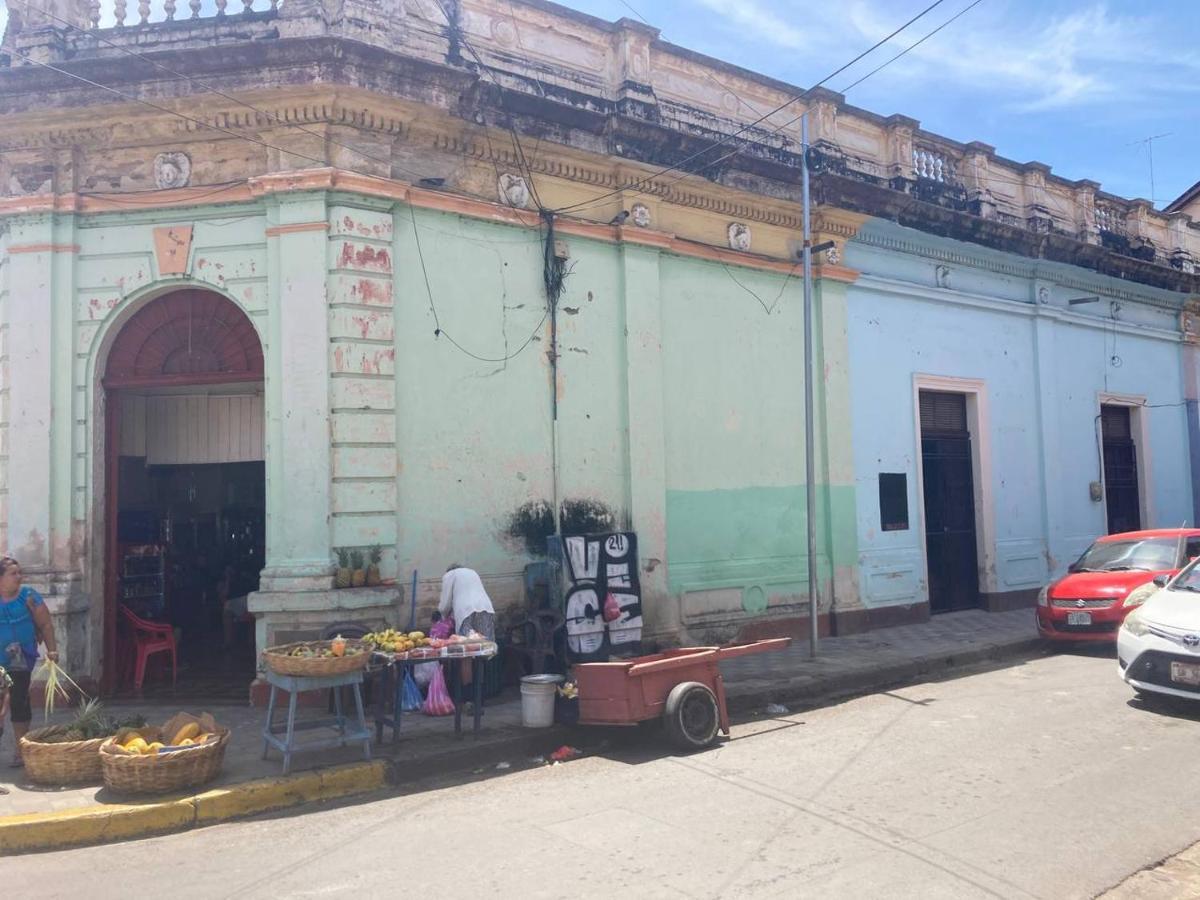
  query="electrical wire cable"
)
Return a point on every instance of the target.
[
  {"x": 603, "y": 197},
  {"x": 438, "y": 331},
  {"x": 208, "y": 88},
  {"x": 743, "y": 129},
  {"x": 518, "y": 148}
]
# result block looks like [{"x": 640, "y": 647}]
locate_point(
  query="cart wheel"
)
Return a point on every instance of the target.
[{"x": 691, "y": 716}]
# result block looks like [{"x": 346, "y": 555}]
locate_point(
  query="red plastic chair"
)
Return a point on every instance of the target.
[{"x": 149, "y": 638}]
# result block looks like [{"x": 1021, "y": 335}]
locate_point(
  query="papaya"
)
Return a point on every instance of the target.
[{"x": 190, "y": 730}]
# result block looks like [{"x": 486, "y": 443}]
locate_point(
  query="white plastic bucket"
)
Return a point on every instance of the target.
[{"x": 537, "y": 700}]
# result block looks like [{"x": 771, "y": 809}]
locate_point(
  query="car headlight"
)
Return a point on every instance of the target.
[
  {"x": 1043, "y": 596},
  {"x": 1139, "y": 595},
  {"x": 1135, "y": 624}
]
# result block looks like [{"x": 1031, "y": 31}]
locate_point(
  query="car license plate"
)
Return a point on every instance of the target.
[
  {"x": 1185, "y": 673},
  {"x": 1079, "y": 618}
]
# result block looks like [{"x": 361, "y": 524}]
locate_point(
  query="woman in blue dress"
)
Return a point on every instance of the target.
[{"x": 24, "y": 620}]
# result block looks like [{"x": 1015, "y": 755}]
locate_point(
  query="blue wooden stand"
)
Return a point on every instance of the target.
[{"x": 294, "y": 684}]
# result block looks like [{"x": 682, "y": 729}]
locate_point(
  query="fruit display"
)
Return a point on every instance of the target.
[
  {"x": 318, "y": 658},
  {"x": 90, "y": 722},
  {"x": 416, "y": 645},
  {"x": 344, "y": 576},
  {"x": 183, "y": 730},
  {"x": 184, "y": 751},
  {"x": 391, "y": 641},
  {"x": 338, "y": 647}
]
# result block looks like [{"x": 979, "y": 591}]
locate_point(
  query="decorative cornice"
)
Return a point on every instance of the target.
[
  {"x": 1019, "y": 268},
  {"x": 332, "y": 179},
  {"x": 1025, "y": 309}
]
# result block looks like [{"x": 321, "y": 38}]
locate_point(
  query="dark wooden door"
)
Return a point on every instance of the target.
[
  {"x": 949, "y": 492},
  {"x": 1120, "y": 470}
]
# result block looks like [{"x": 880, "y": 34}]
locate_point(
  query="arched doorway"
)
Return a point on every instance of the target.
[{"x": 184, "y": 489}]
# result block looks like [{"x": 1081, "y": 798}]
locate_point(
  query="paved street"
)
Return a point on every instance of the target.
[{"x": 1044, "y": 779}]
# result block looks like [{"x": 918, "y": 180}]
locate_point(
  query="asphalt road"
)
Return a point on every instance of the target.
[{"x": 1044, "y": 779}]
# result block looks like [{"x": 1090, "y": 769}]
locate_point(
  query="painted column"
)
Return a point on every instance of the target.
[
  {"x": 38, "y": 375},
  {"x": 646, "y": 440},
  {"x": 298, "y": 420},
  {"x": 837, "y": 537},
  {"x": 28, "y": 378},
  {"x": 1047, "y": 408}
]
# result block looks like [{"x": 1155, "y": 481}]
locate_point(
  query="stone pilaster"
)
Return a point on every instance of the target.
[
  {"x": 38, "y": 417},
  {"x": 643, "y": 376},
  {"x": 299, "y": 469}
]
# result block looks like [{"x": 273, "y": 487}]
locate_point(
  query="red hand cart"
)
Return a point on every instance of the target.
[{"x": 682, "y": 686}]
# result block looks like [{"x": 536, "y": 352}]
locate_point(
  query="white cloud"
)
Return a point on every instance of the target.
[
  {"x": 762, "y": 23},
  {"x": 1036, "y": 60}
]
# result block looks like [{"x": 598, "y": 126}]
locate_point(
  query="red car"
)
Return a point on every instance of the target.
[{"x": 1100, "y": 588}]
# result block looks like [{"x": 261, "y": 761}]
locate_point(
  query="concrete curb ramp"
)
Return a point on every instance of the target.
[{"x": 114, "y": 822}]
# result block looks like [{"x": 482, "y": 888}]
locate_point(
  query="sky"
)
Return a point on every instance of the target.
[{"x": 1076, "y": 84}]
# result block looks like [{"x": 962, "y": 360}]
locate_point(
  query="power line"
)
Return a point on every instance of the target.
[
  {"x": 760, "y": 119},
  {"x": 598, "y": 200},
  {"x": 438, "y": 331},
  {"x": 959, "y": 14},
  {"x": 230, "y": 186},
  {"x": 208, "y": 88},
  {"x": 767, "y": 309},
  {"x": 185, "y": 117},
  {"x": 518, "y": 149}
]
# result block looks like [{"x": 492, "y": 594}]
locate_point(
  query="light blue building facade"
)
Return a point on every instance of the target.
[{"x": 1034, "y": 371}]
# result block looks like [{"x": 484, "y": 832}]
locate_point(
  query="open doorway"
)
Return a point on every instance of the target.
[{"x": 185, "y": 498}]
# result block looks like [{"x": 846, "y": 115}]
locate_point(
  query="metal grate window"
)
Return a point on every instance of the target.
[
  {"x": 893, "y": 501},
  {"x": 1115, "y": 423},
  {"x": 943, "y": 413}
]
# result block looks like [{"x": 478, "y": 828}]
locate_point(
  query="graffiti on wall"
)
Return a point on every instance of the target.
[{"x": 603, "y": 594}]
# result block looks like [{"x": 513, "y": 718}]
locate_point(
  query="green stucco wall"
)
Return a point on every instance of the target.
[{"x": 680, "y": 404}]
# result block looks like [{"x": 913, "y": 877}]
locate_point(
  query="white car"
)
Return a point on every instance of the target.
[{"x": 1158, "y": 645}]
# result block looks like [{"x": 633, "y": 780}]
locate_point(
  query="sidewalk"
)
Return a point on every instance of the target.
[
  {"x": 949, "y": 644},
  {"x": 1175, "y": 878},
  {"x": 878, "y": 660}
]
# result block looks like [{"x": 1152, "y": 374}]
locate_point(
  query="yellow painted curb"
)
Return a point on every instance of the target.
[
  {"x": 93, "y": 825},
  {"x": 103, "y": 823},
  {"x": 253, "y": 797}
]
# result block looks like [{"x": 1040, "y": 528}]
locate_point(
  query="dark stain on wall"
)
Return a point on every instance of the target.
[{"x": 531, "y": 523}]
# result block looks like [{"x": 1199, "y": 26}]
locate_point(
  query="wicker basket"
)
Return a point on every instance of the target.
[
  {"x": 157, "y": 773},
  {"x": 280, "y": 663},
  {"x": 69, "y": 762}
]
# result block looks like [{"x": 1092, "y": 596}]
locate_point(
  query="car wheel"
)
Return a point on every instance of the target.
[{"x": 691, "y": 716}]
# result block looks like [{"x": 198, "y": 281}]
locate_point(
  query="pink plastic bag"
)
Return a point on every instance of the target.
[
  {"x": 437, "y": 700},
  {"x": 612, "y": 609}
]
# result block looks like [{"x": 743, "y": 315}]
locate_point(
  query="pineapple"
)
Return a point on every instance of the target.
[
  {"x": 373, "y": 577},
  {"x": 359, "y": 578},
  {"x": 344, "y": 577}
]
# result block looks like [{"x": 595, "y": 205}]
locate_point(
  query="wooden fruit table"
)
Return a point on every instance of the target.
[{"x": 357, "y": 732}]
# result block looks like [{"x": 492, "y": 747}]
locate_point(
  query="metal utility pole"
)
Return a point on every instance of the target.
[{"x": 809, "y": 442}]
